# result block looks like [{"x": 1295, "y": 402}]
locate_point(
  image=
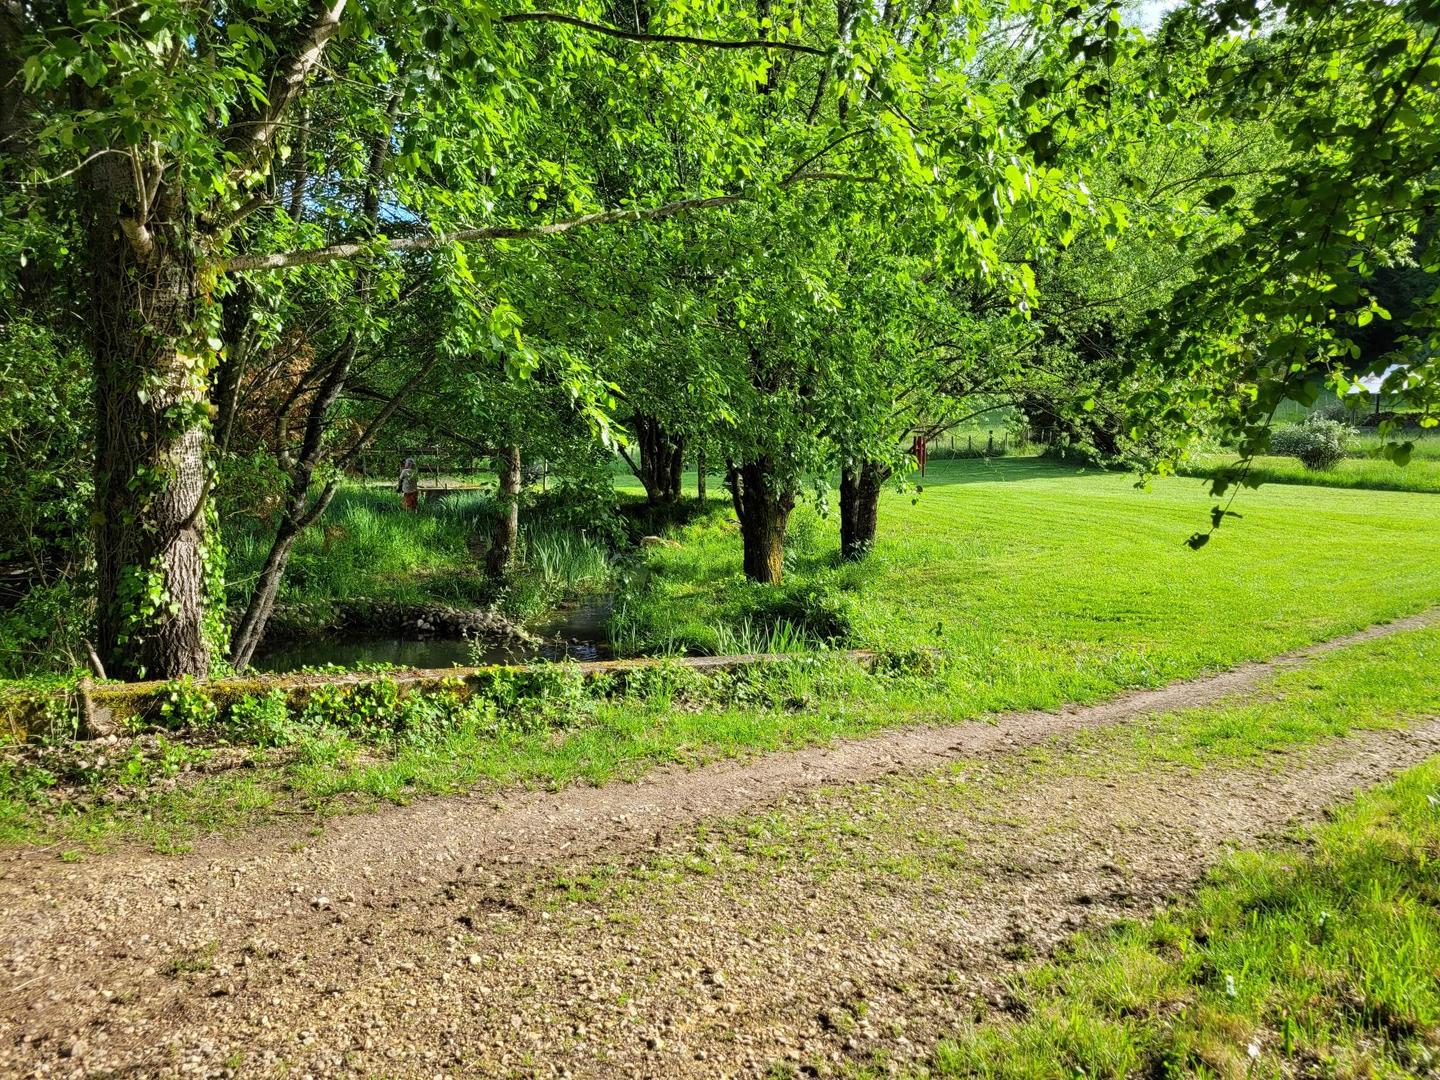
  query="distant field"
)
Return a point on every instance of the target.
[
  {"x": 1051, "y": 584},
  {"x": 1426, "y": 442},
  {"x": 1422, "y": 474}
]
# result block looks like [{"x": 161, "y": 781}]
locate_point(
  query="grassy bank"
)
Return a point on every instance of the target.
[
  {"x": 1040, "y": 585},
  {"x": 1313, "y": 959},
  {"x": 1047, "y": 583},
  {"x": 367, "y": 547},
  {"x": 346, "y": 753}
]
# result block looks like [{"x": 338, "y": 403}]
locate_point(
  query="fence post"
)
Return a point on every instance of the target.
[
  {"x": 970, "y": 444},
  {"x": 990, "y": 446}
]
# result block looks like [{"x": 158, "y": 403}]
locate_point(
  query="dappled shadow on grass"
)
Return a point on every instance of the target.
[{"x": 1012, "y": 470}]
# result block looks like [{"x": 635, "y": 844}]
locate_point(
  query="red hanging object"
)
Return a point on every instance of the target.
[{"x": 918, "y": 449}]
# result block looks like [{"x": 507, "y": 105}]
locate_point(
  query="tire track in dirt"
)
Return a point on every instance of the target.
[{"x": 151, "y": 964}]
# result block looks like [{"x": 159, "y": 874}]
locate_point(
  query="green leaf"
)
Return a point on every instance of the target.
[{"x": 1219, "y": 197}]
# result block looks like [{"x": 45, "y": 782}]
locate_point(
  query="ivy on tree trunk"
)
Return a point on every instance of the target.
[{"x": 151, "y": 543}]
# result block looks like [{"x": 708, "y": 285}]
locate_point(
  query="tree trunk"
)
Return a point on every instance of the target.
[
  {"x": 677, "y": 470},
  {"x": 662, "y": 458},
  {"x": 860, "y": 507},
  {"x": 151, "y": 550},
  {"x": 501, "y": 555},
  {"x": 299, "y": 512},
  {"x": 765, "y": 514},
  {"x": 700, "y": 475},
  {"x": 736, "y": 487}
]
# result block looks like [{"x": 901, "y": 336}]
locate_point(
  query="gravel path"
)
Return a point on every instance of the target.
[{"x": 638, "y": 929}]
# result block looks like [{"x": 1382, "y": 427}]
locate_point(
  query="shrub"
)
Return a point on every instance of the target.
[
  {"x": 185, "y": 705},
  {"x": 378, "y": 713},
  {"x": 809, "y": 610},
  {"x": 539, "y": 696},
  {"x": 908, "y": 663},
  {"x": 1318, "y": 443},
  {"x": 1342, "y": 412},
  {"x": 264, "y": 721},
  {"x": 659, "y": 685},
  {"x": 251, "y": 487},
  {"x": 45, "y": 413},
  {"x": 46, "y": 629}
]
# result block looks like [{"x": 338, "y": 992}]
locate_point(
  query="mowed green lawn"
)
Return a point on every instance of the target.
[{"x": 1049, "y": 583}]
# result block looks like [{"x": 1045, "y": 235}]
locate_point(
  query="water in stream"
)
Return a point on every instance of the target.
[{"x": 578, "y": 634}]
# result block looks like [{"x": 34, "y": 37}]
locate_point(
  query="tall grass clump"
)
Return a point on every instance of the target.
[
  {"x": 555, "y": 566},
  {"x": 367, "y": 547},
  {"x": 750, "y": 636},
  {"x": 567, "y": 560},
  {"x": 815, "y": 608}
]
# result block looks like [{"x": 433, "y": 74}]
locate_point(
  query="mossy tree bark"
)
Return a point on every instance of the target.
[
  {"x": 150, "y": 440},
  {"x": 149, "y": 226},
  {"x": 503, "y": 544}
]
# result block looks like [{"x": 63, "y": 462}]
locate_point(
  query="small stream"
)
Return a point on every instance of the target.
[{"x": 576, "y": 634}]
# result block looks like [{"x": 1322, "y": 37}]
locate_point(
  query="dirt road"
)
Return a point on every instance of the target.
[{"x": 802, "y": 908}]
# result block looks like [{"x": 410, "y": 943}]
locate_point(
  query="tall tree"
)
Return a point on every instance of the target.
[{"x": 166, "y": 123}]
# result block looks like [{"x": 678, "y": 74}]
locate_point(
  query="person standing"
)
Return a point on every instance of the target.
[{"x": 409, "y": 486}]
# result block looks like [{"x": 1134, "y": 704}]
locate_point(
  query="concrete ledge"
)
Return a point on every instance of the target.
[{"x": 100, "y": 709}]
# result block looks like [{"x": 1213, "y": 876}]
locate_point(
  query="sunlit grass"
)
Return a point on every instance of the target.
[
  {"x": 367, "y": 547},
  {"x": 1318, "y": 960},
  {"x": 1048, "y": 584},
  {"x": 1426, "y": 443}
]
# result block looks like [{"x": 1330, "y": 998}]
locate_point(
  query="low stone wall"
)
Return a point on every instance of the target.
[{"x": 96, "y": 710}]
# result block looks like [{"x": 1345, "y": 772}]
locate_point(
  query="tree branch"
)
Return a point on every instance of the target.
[
  {"x": 387, "y": 410},
  {"x": 429, "y": 241},
  {"x": 140, "y": 237},
  {"x": 676, "y": 39},
  {"x": 628, "y": 460},
  {"x": 799, "y": 170},
  {"x": 251, "y": 139}
]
